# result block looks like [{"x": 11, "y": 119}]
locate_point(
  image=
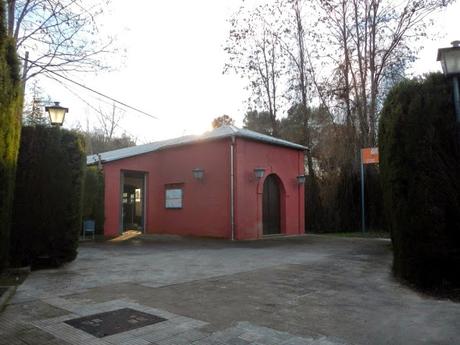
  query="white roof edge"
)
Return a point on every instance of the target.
[
  {"x": 218, "y": 133},
  {"x": 248, "y": 134},
  {"x": 234, "y": 128}
]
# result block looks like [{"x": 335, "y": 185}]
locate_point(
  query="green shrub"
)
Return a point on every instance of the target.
[
  {"x": 420, "y": 165},
  {"x": 93, "y": 197},
  {"x": 10, "y": 127},
  {"x": 48, "y": 196}
]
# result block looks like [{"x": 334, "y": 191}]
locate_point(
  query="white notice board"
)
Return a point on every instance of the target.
[{"x": 173, "y": 198}]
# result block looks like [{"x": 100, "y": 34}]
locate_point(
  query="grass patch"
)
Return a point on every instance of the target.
[
  {"x": 359, "y": 234},
  {"x": 12, "y": 277}
]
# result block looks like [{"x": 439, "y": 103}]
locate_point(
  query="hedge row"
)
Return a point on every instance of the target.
[
  {"x": 420, "y": 165},
  {"x": 93, "y": 197},
  {"x": 48, "y": 196},
  {"x": 10, "y": 127}
]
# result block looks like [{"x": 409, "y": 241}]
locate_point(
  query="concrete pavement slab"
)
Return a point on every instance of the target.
[{"x": 312, "y": 290}]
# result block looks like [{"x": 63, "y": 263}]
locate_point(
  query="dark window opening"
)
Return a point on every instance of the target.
[{"x": 133, "y": 201}]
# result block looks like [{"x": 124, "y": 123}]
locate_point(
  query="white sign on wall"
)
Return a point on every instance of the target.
[{"x": 173, "y": 198}]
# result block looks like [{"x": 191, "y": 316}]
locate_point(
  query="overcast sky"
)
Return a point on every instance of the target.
[{"x": 173, "y": 67}]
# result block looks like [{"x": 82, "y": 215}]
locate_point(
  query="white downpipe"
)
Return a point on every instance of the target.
[{"x": 232, "y": 187}]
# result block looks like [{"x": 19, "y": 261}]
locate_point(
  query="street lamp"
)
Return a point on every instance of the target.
[
  {"x": 259, "y": 173},
  {"x": 301, "y": 179},
  {"x": 450, "y": 62},
  {"x": 56, "y": 113},
  {"x": 198, "y": 173}
]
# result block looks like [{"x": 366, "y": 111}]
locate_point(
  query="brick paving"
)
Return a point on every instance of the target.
[{"x": 177, "y": 330}]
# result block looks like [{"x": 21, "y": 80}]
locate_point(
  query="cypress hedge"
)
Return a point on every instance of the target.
[
  {"x": 93, "y": 197},
  {"x": 420, "y": 174},
  {"x": 48, "y": 196},
  {"x": 10, "y": 128}
]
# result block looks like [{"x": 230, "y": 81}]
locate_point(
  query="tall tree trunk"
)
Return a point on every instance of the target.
[
  {"x": 313, "y": 206},
  {"x": 11, "y": 10},
  {"x": 346, "y": 71},
  {"x": 303, "y": 87}
]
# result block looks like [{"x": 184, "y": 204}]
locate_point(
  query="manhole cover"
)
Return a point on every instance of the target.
[{"x": 113, "y": 322}]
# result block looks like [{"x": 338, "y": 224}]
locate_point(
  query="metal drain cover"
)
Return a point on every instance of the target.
[{"x": 113, "y": 322}]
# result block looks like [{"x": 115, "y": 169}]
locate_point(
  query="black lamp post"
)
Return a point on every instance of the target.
[
  {"x": 450, "y": 62},
  {"x": 56, "y": 114}
]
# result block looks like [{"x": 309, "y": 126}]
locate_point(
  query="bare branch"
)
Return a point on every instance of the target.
[{"x": 61, "y": 35}]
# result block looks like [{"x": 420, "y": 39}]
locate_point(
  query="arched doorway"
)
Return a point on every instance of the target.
[{"x": 271, "y": 209}]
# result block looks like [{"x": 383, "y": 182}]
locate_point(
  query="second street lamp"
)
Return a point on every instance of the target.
[
  {"x": 259, "y": 173},
  {"x": 450, "y": 62},
  {"x": 56, "y": 114}
]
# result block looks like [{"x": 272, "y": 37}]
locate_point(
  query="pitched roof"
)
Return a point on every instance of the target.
[{"x": 218, "y": 133}]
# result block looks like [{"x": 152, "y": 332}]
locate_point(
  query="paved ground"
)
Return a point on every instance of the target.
[{"x": 312, "y": 290}]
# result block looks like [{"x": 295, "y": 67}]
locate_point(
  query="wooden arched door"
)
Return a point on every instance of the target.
[{"x": 271, "y": 210}]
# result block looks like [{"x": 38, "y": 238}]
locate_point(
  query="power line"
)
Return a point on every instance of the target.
[
  {"x": 85, "y": 101},
  {"x": 76, "y": 94},
  {"x": 92, "y": 90}
]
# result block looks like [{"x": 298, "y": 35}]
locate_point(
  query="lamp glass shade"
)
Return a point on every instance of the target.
[
  {"x": 56, "y": 113},
  {"x": 198, "y": 173},
  {"x": 301, "y": 179},
  {"x": 259, "y": 172},
  {"x": 450, "y": 60}
]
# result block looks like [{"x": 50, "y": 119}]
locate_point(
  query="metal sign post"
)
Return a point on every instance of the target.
[
  {"x": 363, "y": 213},
  {"x": 368, "y": 156}
]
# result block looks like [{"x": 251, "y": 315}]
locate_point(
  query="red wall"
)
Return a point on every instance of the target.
[
  {"x": 287, "y": 164},
  {"x": 206, "y": 203}
]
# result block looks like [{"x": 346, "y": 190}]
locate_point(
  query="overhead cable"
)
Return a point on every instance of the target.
[{"x": 92, "y": 90}]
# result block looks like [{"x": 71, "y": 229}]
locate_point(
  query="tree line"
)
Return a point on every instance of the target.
[{"x": 318, "y": 72}]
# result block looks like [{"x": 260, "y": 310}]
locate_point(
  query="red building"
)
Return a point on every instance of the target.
[{"x": 230, "y": 182}]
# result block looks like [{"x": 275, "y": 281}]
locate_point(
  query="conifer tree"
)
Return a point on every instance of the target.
[
  {"x": 10, "y": 127},
  {"x": 419, "y": 164}
]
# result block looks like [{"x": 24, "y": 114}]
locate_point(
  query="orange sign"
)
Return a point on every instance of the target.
[{"x": 370, "y": 155}]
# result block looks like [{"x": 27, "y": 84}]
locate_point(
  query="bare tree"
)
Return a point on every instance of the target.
[
  {"x": 254, "y": 52},
  {"x": 58, "y": 35},
  {"x": 109, "y": 121},
  {"x": 294, "y": 42},
  {"x": 376, "y": 40},
  {"x": 337, "y": 56},
  {"x": 108, "y": 135}
]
